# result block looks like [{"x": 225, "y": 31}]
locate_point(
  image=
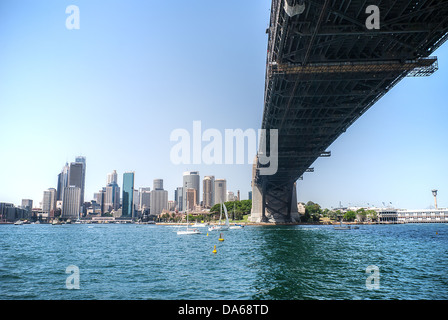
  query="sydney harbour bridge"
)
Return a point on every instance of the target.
[{"x": 328, "y": 62}]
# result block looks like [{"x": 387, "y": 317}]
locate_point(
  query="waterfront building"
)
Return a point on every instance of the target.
[
  {"x": 191, "y": 180},
  {"x": 71, "y": 202},
  {"x": 208, "y": 187},
  {"x": 391, "y": 215},
  {"x": 128, "y": 195},
  {"x": 220, "y": 190},
  {"x": 10, "y": 213}
]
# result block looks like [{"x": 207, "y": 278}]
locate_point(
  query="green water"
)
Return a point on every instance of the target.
[{"x": 258, "y": 262}]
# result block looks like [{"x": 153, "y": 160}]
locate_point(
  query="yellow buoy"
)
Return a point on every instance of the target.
[
  {"x": 214, "y": 249},
  {"x": 207, "y": 234},
  {"x": 220, "y": 237}
]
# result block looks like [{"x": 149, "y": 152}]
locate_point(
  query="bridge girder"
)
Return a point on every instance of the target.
[{"x": 325, "y": 69}]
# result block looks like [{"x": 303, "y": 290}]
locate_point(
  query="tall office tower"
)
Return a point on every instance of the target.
[
  {"x": 62, "y": 182},
  {"x": 100, "y": 198},
  {"x": 128, "y": 194},
  {"x": 49, "y": 200},
  {"x": 75, "y": 172},
  {"x": 238, "y": 196},
  {"x": 136, "y": 199},
  {"x": 249, "y": 195},
  {"x": 112, "y": 177},
  {"x": 220, "y": 190},
  {"x": 158, "y": 184},
  {"x": 145, "y": 198},
  {"x": 230, "y": 196},
  {"x": 27, "y": 204},
  {"x": 208, "y": 187},
  {"x": 112, "y": 192},
  {"x": 190, "y": 196},
  {"x": 159, "y": 201},
  {"x": 71, "y": 202},
  {"x": 112, "y": 197},
  {"x": 190, "y": 180},
  {"x": 82, "y": 160},
  {"x": 178, "y": 197}
]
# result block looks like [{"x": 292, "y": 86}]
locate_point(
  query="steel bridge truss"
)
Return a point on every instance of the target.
[{"x": 325, "y": 69}]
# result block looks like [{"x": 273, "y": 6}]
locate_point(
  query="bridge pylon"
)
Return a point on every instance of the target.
[{"x": 273, "y": 203}]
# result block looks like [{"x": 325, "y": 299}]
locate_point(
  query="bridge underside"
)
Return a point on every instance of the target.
[{"x": 324, "y": 70}]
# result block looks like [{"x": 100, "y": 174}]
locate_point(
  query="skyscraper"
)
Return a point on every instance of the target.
[
  {"x": 112, "y": 199},
  {"x": 49, "y": 200},
  {"x": 112, "y": 177},
  {"x": 128, "y": 194},
  {"x": 190, "y": 180},
  {"x": 75, "y": 177},
  {"x": 220, "y": 190},
  {"x": 82, "y": 160},
  {"x": 158, "y": 184},
  {"x": 208, "y": 187},
  {"x": 145, "y": 198},
  {"x": 27, "y": 204},
  {"x": 71, "y": 202},
  {"x": 191, "y": 196},
  {"x": 62, "y": 182},
  {"x": 178, "y": 197},
  {"x": 159, "y": 198}
]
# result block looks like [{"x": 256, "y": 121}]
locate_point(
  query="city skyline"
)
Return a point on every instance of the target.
[{"x": 63, "y": 99}]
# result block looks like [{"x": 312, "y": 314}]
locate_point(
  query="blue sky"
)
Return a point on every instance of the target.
[{"x": 115, "y": 89}]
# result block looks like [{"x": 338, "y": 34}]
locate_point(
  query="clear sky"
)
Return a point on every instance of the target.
[{"x": 114, "y": 90}]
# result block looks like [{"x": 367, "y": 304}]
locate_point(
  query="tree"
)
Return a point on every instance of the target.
[
  {"x": 312, "y": 212},
  {"x": 350, "y": 215}
]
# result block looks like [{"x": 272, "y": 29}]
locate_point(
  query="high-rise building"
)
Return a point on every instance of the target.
[
  {"x": 145, "y": 198},
  {"x": 190, "y": 196},
  {"x": 128, "y": 195},
  {"x": 136, "y": 199},
  {"x": 159, "y": 198},
  {"x": 178, "y": 197},
  {"x": 75, "y": 177},
  {"x": 112, "y": 199},
  {"x": 230, "y": 196},
  {"x": 62, "y": 182},
  {"x": 71, "y": 202},
  {"x": 220, "y": 190},
  {"x": 49, "y": 200},
  {"x": 82, "y": 160},
  {"x": 158, "y": 184},
  {"x": 190, "y": 180},
  {"x": 27, "y": 204},
  {"x": 208, "y": 187},
  {"x": 112, "y": 178}
]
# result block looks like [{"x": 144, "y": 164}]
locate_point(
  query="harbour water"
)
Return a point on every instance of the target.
[{"x": 131, "y": 261}]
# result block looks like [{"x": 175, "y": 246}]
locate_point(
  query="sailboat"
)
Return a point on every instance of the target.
[
  {"x": 188, "y": 230},
  {"x": 235, "y": 226},
  {"x": 221, "y": 227},
  {"x": 342, "y": 227}
]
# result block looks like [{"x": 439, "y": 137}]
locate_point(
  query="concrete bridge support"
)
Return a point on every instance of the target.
[{"x": 273, "y": 203}]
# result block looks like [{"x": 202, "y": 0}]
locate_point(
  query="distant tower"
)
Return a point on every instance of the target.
[{"x": 434, "y": 193}]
